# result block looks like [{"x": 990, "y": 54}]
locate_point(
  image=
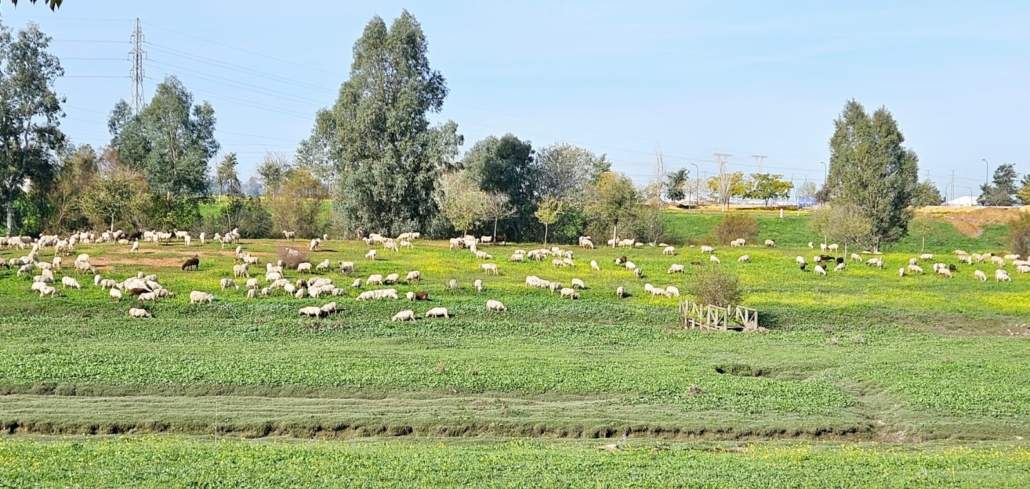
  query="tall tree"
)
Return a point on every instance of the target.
[
  {"x": 725, "y": 187},
  {"x": 870, "y": 168},
  {"x": 926, "y": 194},
  {"x": 612, "y": 201},
  {"x": 548, "y": 212},
  {"x": 767, "y": 186},
  {"x": 1003, "y": 188},
  {"x": 461, "y": 201},
  {"x": 844, "y": 222},
  {"x": 1024, "y": 190},
  {"x": 296, "y": 205},
  {"x": 171, "y": 140},
  {"x": 273, "y": 170},
  {"x": 566, "y": 171},
  {"x": 676, "y": 184},
  {"x": 78, "y": 172},
  {"x": 386, "y": 154},
  {"x": 30, "y": 112},
  {"x": 506, "y": 165},
  {"x": 498, "y": 207},
  {"x": 226, "y": 178},
  {"x": 119, "y": 197}
]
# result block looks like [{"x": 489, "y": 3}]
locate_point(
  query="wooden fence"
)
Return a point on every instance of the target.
[{"x": 707, "y": 316}]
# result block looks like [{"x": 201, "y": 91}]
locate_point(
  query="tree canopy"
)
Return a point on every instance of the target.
[
  {"x": 506, "y": 165},
  {"x": 925, "y": 194},
  {"x": 1002, "y": 190},
  {"x": 30, "y": 114},
  {"x": 767, "y": 186},
  {"x": 676, "y": 183},
  {"x": 378, "y": 135}
]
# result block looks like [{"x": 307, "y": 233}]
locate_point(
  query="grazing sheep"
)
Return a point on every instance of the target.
[
  {"x": 669, "y": 251},
  {"x": 675, "y": 268},
  {"x": 197, "y": 297},
  {"x": 707, "y": 249},
  {"x": 840, "y": 266},
  {"x": 228, "y": 283},
  {"x": 926, "y": 256},
  {"x": 346, "y": 267},
  {"x": 672, "y": 291},
  {"x": 413, "y": 276},
  {"x": 410, "y": 295},
  {"x": 770, "y": 243},
  {"x": 191, "y": 264},
  {"x": 819, "y": 270},
  {"x": 252, "y": 283},
  {"x": 738, "y": 242},
  {"x": 137, "y": 313},
  {"x": 856, "y": 257},
  {"x": 945, "y": 271},
  {"x": 314, "y": 244},
  {"x": 489, "y": 267},
  {"x": 437, "y": 312},
  {"x": 901, "y": 272},
  {"x": 252, "y": 293},
  {"x": 371, "y": 255},
  {"x": 800, "y": 260},
  {"x": 1002, "y": 276},
  {"x": 378, "y": 294},
  {"x": 356, "y": 283},
  {"x": 391, "y": 278},
  {"x": 620, "y": 292},
  {"x": 405, "y": 315},
  {"x": 714, "y": 259},
  {"x": 578, "y": 284},
  {"x": 630, "y": 265},
  {"x": 324, "y": 266},
  {"x": 374, "y": 279},
  {"x": 311, "y": 312},
  {"x": 328, "y": 308},
  {"x": 115, "y": 294},
  {"x": 567, "y": 293},
  {"x": 744, "y": 259},
  {"x": 833, "y": 247},
  {"x": 289, "y": 235},
  {"x": 980, "y": 275},
  {"x": 594, "y": 266},
  {"x": 452, "y": 284},
  {"x": 68, "y": 282},
  {"x": 240, "y": 271},
  {"x": 135, "y": 247},
  {"x": 496, "y": 306},
  {"x": 304, "y": 267},
  {"x": 478, "y": 284}
]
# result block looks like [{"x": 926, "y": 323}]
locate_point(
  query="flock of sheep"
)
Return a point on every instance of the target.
[{"x": 146, "y": 288}]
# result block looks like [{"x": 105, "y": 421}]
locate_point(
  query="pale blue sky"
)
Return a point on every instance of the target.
[{"x": 622, "y": 78}]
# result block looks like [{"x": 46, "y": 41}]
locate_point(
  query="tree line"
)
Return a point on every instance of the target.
[{"x": 374, "y": 162}]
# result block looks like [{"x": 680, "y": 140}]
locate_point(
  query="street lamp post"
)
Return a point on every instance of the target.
[
  {"x": 987, "y": 172},
  {"x": 697, "y": 185}
]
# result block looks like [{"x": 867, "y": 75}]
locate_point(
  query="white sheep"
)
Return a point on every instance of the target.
[
  {"x": 840, "y": 266},
  {"x": 374, "y": 279},
  {"x": 304, "y": 267},
  {"x": 328, "y": 308},
  {"x": 47, "y": 290},
  {"x": 252, "y": 283},
  {"x": 833, "y": 247},
  {"x": 672, "y": 291},
  {"x": 410, "y": 295},
  {"x": 770, "y": 243},
  {"x": 744, "y": 259},
  {"x": 707, "y": 249},
  {"x": 68, "y": 282},
  {"x": 324, "y": 266},
  {"x": 478, "y": 284},
  {"x": 138, "y": 313},
  {"x": 356, "y": 283},
  {"x": 980, "y": 275},
  {"x": 115, "y": 294},
  {"x": 489, "y": 267},
  {"x": 901, "y": 272},
  {"x": 819, "y": 270},
  {"x": 496, "y": 306},
  {"x": 714, "y": 259},
  {"x": 405, "y": 315},
  {"x": 311, "y": 312},
  {"x": 314, "y": 244},
  {"x": 391, "y": 278},
  {"x": 669, "y": 250},
  {"x": 452, "y": 284},
  {"x": 289, "y": 235},
  {"x": 594, "y": 266},
  {"x": 567, "y": 293},
  {"x": 578, "y": 284},
  {"x": 346, "y": 267},
  {"x": 240, "y": 271},
  {"x": 1002, "y": 276},
  {"x": 675, "y": 268},
  {"x": 371, "y": 255},
  {"x": 437, "y": 312},
  {"x": 620, "y": 292},
  {"x": 197, "y": 297},
  {"x": 228, "y": 283}
]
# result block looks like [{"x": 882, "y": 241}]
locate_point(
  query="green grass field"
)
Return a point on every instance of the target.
[{"x": 870, "y": 375}]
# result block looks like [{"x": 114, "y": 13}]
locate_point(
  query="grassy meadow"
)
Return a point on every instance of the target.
[{"x": 870, "y": 375}]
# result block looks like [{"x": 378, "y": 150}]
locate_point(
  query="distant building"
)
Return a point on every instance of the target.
[{"x": 963, "y": 201}]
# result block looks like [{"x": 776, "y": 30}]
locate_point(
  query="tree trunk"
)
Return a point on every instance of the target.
[
  {"x": 545, "y": 234},
  {"x": 615, "y": 235},
  {"x": 10, "y": 218},
  {"x": 494, "y": 239}
]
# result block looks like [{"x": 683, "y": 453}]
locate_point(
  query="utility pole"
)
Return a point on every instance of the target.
[
  {"x": 987, "y": 173},
  {"x": 759, "y": 159},
  {"x": 724, "y": 184},
  {"x": 697, "y": 185},
  {"x": 136, "y": 57}
]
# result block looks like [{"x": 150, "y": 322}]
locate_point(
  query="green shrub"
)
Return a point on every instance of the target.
[
  {"x": 1019, "y": 235},
  {"x": 716, "y": 287},
  {"x": 733, "y": 226}
]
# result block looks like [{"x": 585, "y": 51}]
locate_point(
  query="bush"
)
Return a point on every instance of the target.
[
  {"x": 716, "y": 287},
  {"x": 734, "y": 226},
  {"x": 291, "y": 257},
  {"x": 1019, "y": 235}
]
